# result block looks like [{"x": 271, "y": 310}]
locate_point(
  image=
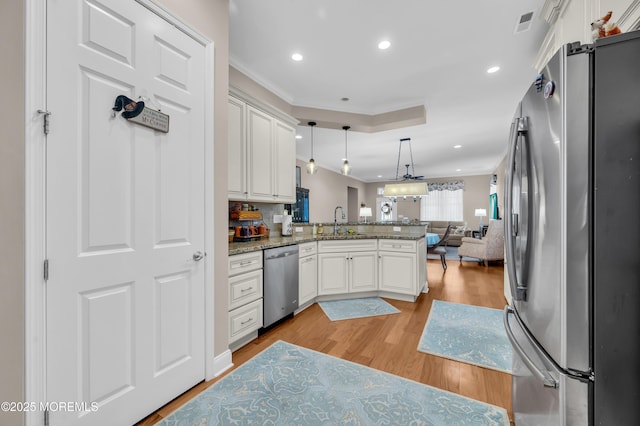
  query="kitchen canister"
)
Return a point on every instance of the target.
[{"x": 287, "y": 225}]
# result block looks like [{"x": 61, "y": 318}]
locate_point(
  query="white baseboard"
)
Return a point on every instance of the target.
[{"x": 222, "y": 363}]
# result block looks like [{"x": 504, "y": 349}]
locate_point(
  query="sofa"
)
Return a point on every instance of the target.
[{"x": 458, "y": 230}]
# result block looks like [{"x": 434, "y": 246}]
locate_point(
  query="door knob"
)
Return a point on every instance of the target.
[{"x": 197, "y": 256}]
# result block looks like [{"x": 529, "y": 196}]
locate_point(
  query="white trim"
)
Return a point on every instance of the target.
[
  {"x": 209, "y": 225},
  {"x": 172, "y": 19},
  {"x": 222, "y": 363},
  {"x": 35, "y": 214},
  {"x": 630, "y": 19},
  {"x": 35, "y": 202}
]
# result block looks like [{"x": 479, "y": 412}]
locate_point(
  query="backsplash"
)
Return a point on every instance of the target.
[{"x": 267, "y": 210}]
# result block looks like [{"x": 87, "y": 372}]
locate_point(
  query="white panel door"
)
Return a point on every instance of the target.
[{"x": 125, "y": 213}]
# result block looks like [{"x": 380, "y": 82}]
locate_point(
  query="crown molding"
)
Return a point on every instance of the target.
[{"x": 552, "y": 9}]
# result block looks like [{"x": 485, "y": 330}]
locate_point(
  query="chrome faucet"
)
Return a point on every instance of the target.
[{"x": 335, "y": 218}]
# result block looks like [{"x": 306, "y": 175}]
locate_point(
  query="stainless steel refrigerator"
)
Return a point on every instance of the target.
[{"x": 572, "y": 238}]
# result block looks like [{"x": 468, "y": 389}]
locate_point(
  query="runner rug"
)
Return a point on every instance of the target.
[
  {"x": 356, "y": 308},
  {"x": 466, "y": 333},
  {"x": 290, "y": 385}
]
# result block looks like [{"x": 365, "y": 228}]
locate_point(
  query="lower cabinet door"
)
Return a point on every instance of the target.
[
  {"x": 332, "y": 273},
  {"x": 363, "y": 272},
  {"x": 307, "y": 279},
  {"x": 244, "y": 320},
  {"x": 398, "y": 273}
]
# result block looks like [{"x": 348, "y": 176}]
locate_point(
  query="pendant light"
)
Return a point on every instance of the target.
[
  {"x": 311, "y": 165},
  {"x": 346, "y": 168},
  {"x": 406, "y": 188}
]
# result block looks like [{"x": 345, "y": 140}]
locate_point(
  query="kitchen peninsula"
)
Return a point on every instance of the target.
[{"x": 362, "y": 260}]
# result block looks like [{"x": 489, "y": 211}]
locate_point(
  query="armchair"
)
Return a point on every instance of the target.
[{"x": 490, "y": 247}]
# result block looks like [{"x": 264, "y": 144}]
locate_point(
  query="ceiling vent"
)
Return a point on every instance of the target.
[{"x": 524, "y": 22}]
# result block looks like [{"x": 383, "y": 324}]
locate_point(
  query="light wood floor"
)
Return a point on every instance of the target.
[{"x": 390, "y": 342}]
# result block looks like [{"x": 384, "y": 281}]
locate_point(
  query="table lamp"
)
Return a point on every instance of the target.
[
  {"x": 481, "y": 213},
  {"x": 365, "y": 212}
]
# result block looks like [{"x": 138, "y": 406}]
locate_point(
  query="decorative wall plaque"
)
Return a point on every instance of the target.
[{"x": 137, "y": 112}]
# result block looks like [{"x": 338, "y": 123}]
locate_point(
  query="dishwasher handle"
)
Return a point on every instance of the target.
[{"x": 280, "y": 255}]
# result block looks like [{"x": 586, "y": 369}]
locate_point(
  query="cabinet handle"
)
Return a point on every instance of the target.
[
  {"x": 246, "y": 322},
  {"x": 242, "y": 290}
]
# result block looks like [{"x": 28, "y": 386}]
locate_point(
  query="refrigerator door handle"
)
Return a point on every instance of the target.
[
  {"x": 547, "y": 379},
  {"x": 516, "y": 293}
]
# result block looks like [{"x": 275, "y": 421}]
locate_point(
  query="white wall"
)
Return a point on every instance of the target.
[
  {"x": 12, "y": 223},
  {"x": 211, "y": 18}
]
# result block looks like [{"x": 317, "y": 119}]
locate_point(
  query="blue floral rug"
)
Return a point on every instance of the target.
[
  {"x": 289, "y": 385},
  {"x": 356, "y": 308},
  {"x": 471, "y": 334}
]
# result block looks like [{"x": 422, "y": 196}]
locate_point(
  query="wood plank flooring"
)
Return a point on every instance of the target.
[{"x": 389, "y": 343}]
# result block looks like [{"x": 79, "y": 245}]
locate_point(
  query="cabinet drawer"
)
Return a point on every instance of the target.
[
  {"x": 397, "y": 245},
  {"x": 241, "y": 263},
  {"x": 336, "y": 246},
  {"x": 245, "y": 288},
  {"x": 244, "y": 320},
  {"x": 307, "y": 249}
]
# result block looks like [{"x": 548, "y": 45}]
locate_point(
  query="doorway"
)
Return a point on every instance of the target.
[
  {"x": 126, "y": 227},
  {"x": 352, "y": 204}
]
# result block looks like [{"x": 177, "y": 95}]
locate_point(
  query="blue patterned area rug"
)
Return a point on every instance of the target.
[
  {"x": 356, "y": 308},
  {"x": 471, "y": 334},
  {"x": 289, "y": 385}
]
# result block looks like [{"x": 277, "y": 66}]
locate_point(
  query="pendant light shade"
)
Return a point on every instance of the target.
[
  {"x": 346, "y": 168},
  {"x": 311, "y": 165}
]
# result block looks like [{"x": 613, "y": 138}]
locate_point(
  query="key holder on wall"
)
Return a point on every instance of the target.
[{"x": 137, "y": 112}]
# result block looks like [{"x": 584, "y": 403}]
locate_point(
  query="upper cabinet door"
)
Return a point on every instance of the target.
[
  {"x": 237, "y": 150},
  {"x": 262, "y": 151},
  {"x": 261, "y": 161},
  {"x": 285, "y": 167}
]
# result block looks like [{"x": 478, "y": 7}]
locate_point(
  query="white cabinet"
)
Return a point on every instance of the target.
[
  {"x": 245, "y": 295},
  {"x": 347, "y": 266},
  {"x": 307, "y": 272},
  {"x": 262, "y": 152},
  {"x": 237, "y": 150},
  {"x": 284, "y": 165},
  {"x": 402, "y": 266},
  {"x": 260, "y": 155}
]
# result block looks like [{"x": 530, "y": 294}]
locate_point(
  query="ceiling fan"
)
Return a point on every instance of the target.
[{"x": 407, "y": 175}]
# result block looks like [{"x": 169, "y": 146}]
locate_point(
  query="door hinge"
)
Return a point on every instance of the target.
[
  {"x": 45, "y": 124},
  {"x": 46, "y": 269},
  {"x": 46, "y": 417}
]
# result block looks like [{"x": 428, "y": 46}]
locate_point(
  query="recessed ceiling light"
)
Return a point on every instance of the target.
[
  {"x": 379, "y": 176},
  {"x": 296, "y": 57},
  {"x": 457, "y": 146},
  {"x": 298, "y": 136},
  {"x": 493, "y": 69},
  {"x": 384, "y": 44},
  {"x": 458, "y": 170}
]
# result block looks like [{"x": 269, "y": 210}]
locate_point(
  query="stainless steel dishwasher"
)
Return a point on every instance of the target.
[{"x": 280, "y": 283}]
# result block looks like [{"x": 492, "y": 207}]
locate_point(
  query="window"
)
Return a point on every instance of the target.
[{"x": 444, "y": 202}]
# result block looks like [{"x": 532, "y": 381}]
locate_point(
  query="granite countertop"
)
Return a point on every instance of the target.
[{"x": 246, "y": 247}]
